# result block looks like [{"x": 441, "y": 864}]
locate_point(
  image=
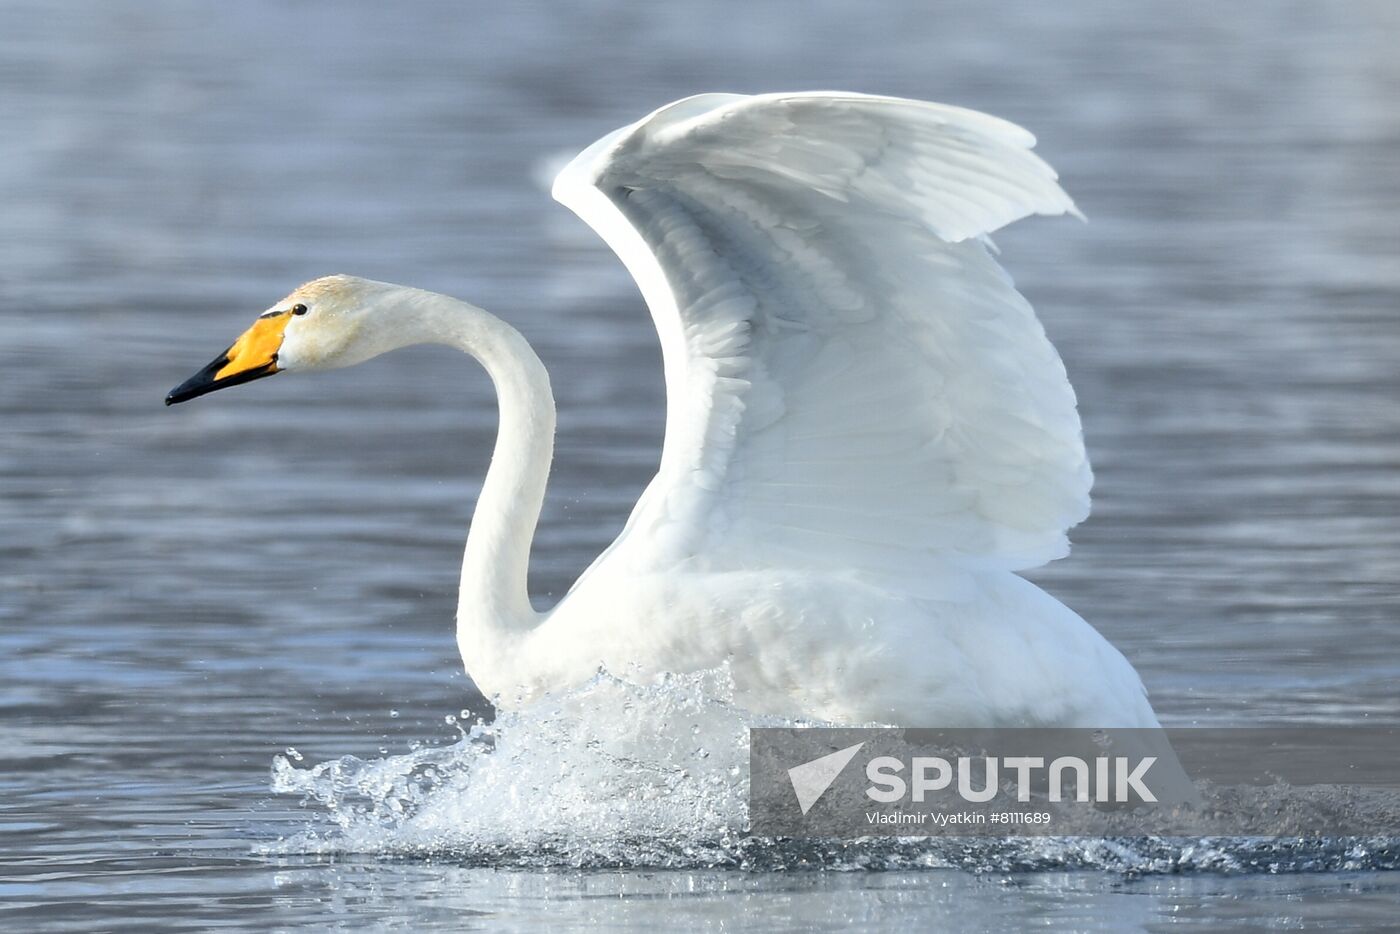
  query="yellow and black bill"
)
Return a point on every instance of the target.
[{"x": 252, "y": 356}]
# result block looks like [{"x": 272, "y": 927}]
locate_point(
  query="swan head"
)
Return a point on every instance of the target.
[{"x": 321, "y": 325}]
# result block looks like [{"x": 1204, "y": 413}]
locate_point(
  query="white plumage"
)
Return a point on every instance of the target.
[
  {"x": 867, "y": 430},
  {"x": 852, "y": 380}
]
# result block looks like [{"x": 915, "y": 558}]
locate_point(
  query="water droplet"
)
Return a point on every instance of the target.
[
  {"x": 393, "y": 715},
  {"x": 294, "y": 755}
]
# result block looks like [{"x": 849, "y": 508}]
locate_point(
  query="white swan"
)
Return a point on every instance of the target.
[{"x": 867, "y": 434}]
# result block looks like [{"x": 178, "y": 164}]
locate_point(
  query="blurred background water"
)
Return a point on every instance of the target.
[{"x": 185, "y": 593}]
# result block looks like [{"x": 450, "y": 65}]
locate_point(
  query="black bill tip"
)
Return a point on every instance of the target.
[{"x": 207, "y": 380}]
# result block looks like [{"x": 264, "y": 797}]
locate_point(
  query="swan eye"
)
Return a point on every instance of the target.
[{"x": 298, "y": 309}]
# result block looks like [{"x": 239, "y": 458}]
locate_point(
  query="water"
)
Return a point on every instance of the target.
[{"x": 184, "y": 594}]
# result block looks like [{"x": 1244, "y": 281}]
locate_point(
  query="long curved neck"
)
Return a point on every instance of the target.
[{"x": 494, "y": 600}]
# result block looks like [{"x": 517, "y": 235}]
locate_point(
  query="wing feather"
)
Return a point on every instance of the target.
[{"x": 853, "y": 382}]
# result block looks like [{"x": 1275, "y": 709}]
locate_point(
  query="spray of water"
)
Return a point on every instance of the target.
[{"x": 626, "y": 775}]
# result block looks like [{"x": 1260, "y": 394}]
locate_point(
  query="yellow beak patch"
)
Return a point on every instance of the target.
[
  {"x": 252, "y": 356},
  {"x": 256, "y": 348}
]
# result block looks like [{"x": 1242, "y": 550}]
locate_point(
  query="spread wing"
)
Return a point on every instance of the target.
[{"x": 852, "y": 381}]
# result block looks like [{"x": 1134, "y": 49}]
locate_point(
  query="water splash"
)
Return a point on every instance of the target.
[
  {"x": 585, "y": 774},
  {"x": 615, "y": 774}
]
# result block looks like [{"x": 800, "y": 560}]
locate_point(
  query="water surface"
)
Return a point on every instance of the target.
[{"x": 186, "y": 593}]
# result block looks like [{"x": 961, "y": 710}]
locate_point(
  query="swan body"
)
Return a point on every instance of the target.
[{"x": 868, "y": 433}]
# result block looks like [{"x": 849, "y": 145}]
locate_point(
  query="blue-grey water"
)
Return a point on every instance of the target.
[{"x": 186, "y": 593}]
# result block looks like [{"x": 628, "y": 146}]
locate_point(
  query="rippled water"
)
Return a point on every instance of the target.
[{"x": 186, "y": 593}]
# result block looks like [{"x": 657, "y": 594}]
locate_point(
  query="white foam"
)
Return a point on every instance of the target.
[
  {"x": 587, "y": 772},
  {"x": 619, "y": 774}
]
